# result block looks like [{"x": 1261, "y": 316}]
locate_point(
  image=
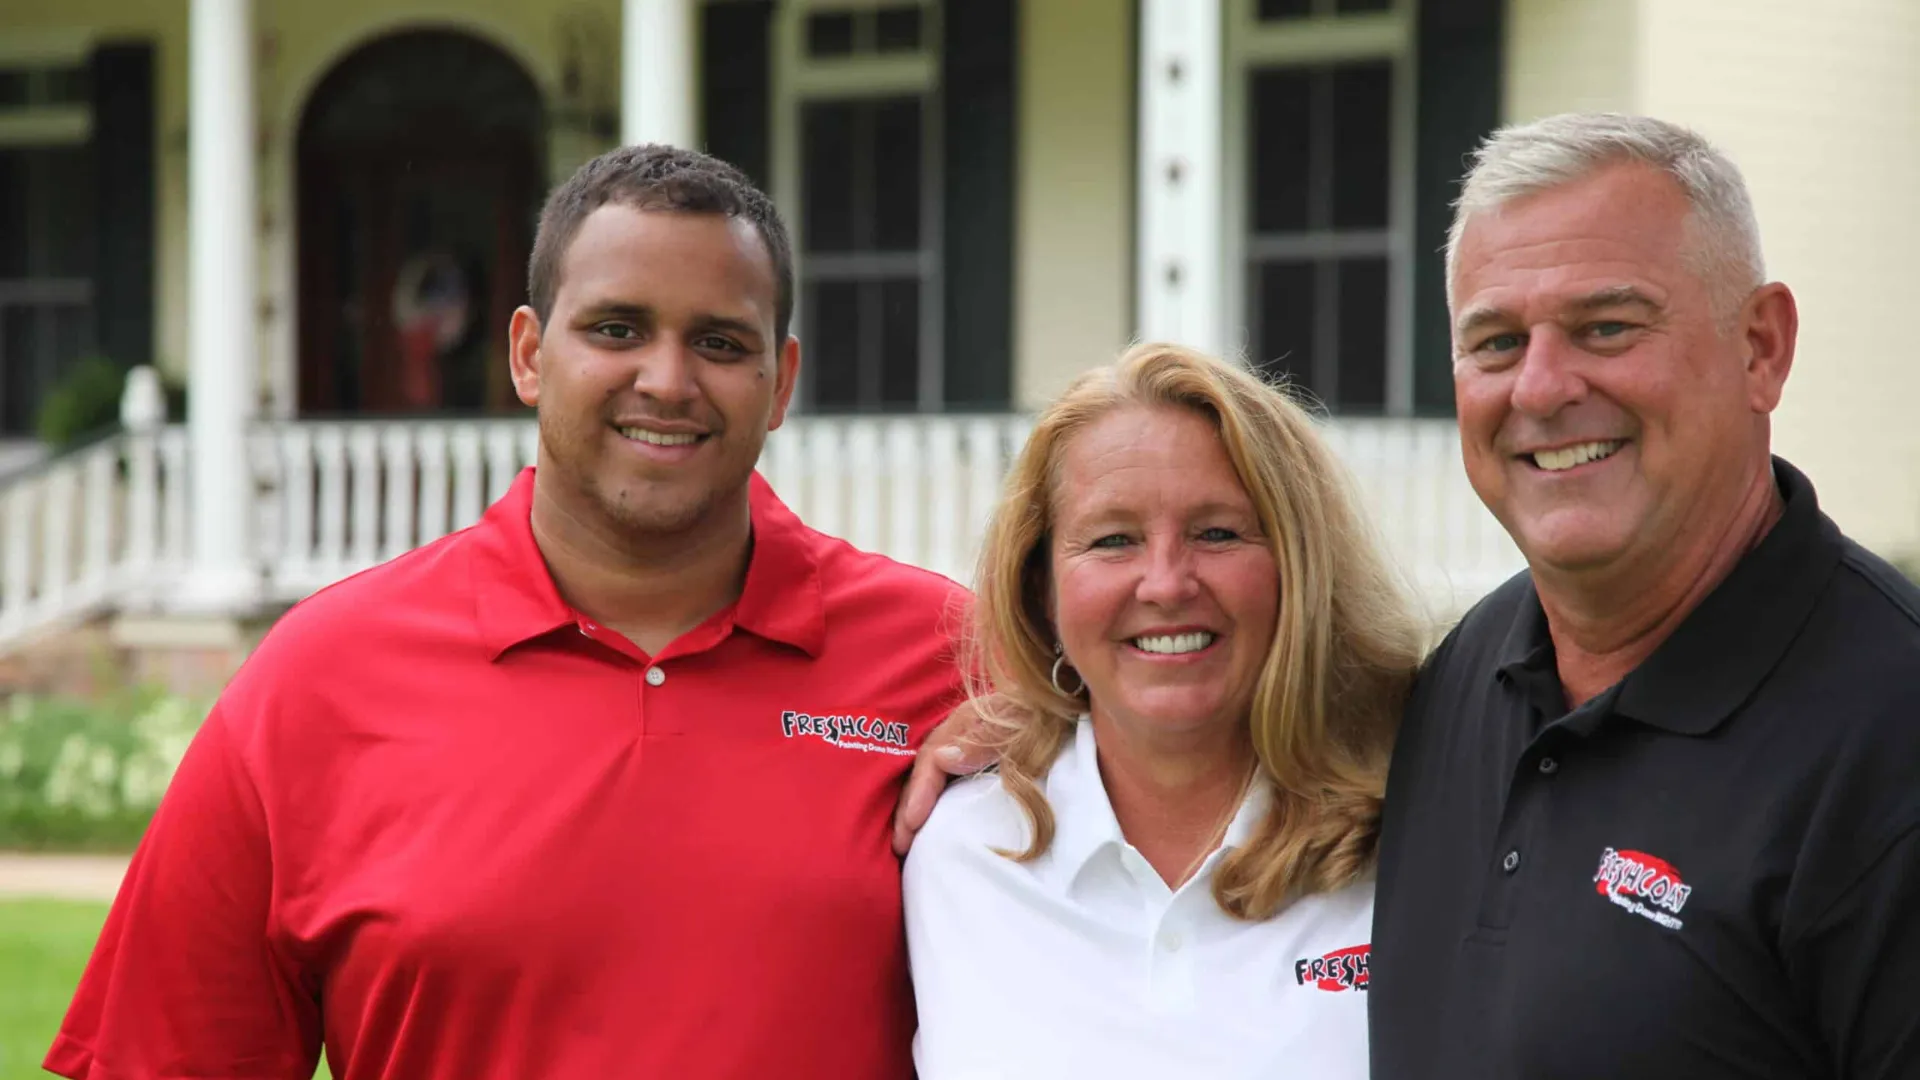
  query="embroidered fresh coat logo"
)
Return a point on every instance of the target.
[
  {"x": 1338, "y": 971},
  {"x": 871, "y": 734},
  {"x": 1650, "y": 888}
]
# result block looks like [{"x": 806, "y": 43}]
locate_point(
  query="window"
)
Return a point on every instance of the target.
[
  {"x": 47, "y": 239},
  {"x": 856, "y": 166},
  {"x": 1322, "y": 215}
]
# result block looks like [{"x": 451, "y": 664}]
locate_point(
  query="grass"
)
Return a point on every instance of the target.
[{"x": 44, "y": 946}]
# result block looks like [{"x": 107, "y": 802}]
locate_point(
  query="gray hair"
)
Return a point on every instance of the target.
[{"x": 1530, "y": 158}]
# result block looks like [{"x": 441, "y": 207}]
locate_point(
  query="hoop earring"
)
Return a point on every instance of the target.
[{"x": 1060, "y": 658}]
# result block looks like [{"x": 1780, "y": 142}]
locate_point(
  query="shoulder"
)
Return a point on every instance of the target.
[
  {"x": 365, "y": 620},
  {"x": 971, "y": 819},
  {"x": 866, "y": 580}
]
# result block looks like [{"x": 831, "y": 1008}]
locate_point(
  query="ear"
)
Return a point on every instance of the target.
[
  {"x": 786, "y": 375},
  {"x": 1769, "y": 325},
  {"x": 523, "y": 354}
]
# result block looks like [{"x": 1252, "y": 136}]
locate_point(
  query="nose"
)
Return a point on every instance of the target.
[
  {"x": 666, "y": 372},
  {"x": 1168, "y": 579},
  {"x": 1548, "y": 379}
]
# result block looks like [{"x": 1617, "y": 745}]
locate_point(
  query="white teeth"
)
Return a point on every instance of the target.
[
  {"x": 658, "y": 438},
  {"x": 1174, "y": 644},
  {"x": 1567, "y": 458}
]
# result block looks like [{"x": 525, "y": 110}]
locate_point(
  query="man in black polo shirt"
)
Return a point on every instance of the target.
[{"x": 1655, "y": 810}]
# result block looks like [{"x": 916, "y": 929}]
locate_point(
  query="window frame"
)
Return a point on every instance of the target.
[
  {"x": 798, "y": 80},
  {"x": 1325, "y": 37}
]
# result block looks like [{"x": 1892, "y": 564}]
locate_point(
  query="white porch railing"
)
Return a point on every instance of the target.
[{"x": 105, "y": 528}]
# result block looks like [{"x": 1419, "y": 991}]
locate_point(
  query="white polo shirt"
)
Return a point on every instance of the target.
[{"x": 1083, "y": 964}]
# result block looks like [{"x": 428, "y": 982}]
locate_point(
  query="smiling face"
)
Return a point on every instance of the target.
[
  {"x": 657, "y": 376},
  {"x": 1165, "y": 592},
  {"x": 1605, "y": 415}
]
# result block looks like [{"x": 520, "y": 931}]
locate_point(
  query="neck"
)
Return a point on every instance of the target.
[
  {"x": 1606, "y": 625},
  {"x": 1173, "y": 796},
  {"x": 649, "y": 589}
]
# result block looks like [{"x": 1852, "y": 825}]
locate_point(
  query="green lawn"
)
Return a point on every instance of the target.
[{"x": 43, "y": 948}]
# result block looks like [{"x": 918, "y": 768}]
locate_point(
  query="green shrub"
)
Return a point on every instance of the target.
[
  {"x": 86, "y": 777},
  {"x": 84, "y": 403}
]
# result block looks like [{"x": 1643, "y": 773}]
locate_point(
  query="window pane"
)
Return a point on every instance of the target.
[
  {"x": 1362, "y": 142},
  {"x": 1283, "y": 303},
  {"x": 1284, "y": 9},
  {"x": 1281, "y": 100},
  {"x": 829, "y": 138},
  {"x": 896, "y": 181},
  {"x": 900, "y": 343},
  {"x": 833, "y": 344},
  {"x": 897, "y": 29},
  {"x": 1363, "y": 335},
  {"x": 830, "y": 34},
  {"x": 47, "y": 217}
]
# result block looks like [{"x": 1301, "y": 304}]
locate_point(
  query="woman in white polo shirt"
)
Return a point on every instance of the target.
[{"x": 1194, "y": 664}]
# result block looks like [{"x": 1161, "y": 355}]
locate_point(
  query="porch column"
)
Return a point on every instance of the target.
[
  {"x": 222, "y": 301},
  {"x": 656, "y": 72},
  {"x": 1179, "y": 174}
]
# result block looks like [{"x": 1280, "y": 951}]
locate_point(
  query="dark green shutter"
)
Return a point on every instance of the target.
[
  {"x": 979, "y": 52},
  {"x": 123, "y": 178},
  {"x": 736, "y": 64},
  {"x": 1459, "y": 104}
]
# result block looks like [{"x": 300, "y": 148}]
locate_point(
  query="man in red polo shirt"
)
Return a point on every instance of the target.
[{"x": 598, "y": 787}]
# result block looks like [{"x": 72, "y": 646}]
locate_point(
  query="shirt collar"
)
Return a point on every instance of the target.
[
  {"x": 1084, "y": 822},
  {"x": 1694, "y": 681},
  {"x": 515, "y": 599}
]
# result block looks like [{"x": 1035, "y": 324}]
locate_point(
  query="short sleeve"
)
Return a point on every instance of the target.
[
  {"x": 1858, "y": 967},
  {"x": 183, "y": 982}
]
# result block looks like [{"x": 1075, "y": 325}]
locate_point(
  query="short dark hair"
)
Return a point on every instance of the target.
[{"x": 652, "y": 176}]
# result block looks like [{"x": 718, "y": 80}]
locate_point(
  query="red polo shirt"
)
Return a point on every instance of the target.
[{"x": 445, "y": 824}]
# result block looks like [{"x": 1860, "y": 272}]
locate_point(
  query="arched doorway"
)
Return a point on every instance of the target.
[{"x": 420, "y": 156}]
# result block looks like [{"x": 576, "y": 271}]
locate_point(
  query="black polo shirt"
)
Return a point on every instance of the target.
[{"x": 1710, "y": 870}]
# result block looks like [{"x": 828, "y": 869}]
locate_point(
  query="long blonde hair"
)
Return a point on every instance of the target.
[{"x": 1328, "y": 699}]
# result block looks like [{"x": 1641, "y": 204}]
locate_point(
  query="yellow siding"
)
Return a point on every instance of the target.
[
  {"x": 1820, "y": 105},
  {"x": 1073, "y": 239}
]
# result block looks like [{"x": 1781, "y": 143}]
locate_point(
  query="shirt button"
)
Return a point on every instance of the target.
[
  {"x": 1511, "y": 862},
  {"x": 1548, "y": 766},
  {"x": 655, "y": 676},
  {"x": 1175, "y": 941}
]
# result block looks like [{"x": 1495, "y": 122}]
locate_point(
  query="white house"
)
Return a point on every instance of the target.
[{"x": 316, "y": 217}]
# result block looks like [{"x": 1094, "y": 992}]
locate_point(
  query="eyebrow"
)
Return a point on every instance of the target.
[
  {"x": 1599, "y": 300},
  {"x": 617, "y": 309}
]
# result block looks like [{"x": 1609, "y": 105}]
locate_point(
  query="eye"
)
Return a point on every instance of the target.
[
  {"x": 716, "y": 343},
  {"x": 1111, "y": 540},
  {"x": 617, "y": 331},
  {"x": 1219, "y": 534},
  {"x": 1609, "y": 329},
  {"x": 1500, "y": 343}
]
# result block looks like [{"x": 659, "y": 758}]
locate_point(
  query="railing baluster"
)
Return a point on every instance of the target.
[
  {"x": 56, "y": 539},
  {"x": 430, "y": 446},
  {"x": 16, "y": 583},
  {"x": 468, "y": 479},
  {"x": 824, "y": 510},
  {"x": 101, "y": 481},
  {"x": 295, "y": 446},
  {"x": 986, "y": 461},
  {"x": 331, "y": 457},
  {"x": 945, "y": 494},
  {"x": 864, "y": 485},
  {"x": 174, "y": 485},
  {"x": 143, "y": 507},
  {"x": 397, "y": 476},
  {"x": 364, "y": 443},
  {"x": 907, "y": 488},
  {"x": 503, "y": 459}
]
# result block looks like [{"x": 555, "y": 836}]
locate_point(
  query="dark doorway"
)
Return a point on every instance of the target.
[{"x": 420, "y": 159}]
